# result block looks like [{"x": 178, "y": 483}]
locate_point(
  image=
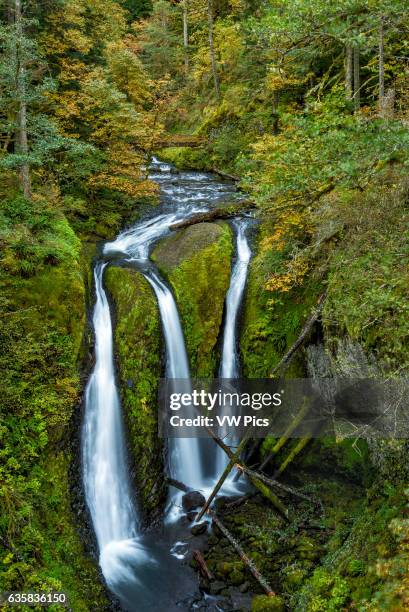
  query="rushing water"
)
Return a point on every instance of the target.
[
  {"x": 185, "y": 455},
  {"x": 230, "y": 362},
  {"x": 131, "y": 562},
  {"x": 229, "y": 367}
]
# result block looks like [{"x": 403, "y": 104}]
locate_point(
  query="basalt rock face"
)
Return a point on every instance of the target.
[
  {"x": 197, "y": 262},
  {"x": 138, "y": 354}
]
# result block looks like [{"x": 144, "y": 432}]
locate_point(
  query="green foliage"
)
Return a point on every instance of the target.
[
  {"x": 34, "y": 234},
  {"x": 323, "y": 148},
  {"x": 23, "y": 86},
  {"x": 372, "y": 307},
  {"x": 42, "y": 324}
]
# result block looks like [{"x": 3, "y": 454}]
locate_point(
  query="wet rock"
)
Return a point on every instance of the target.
[
  {"x": 263, "y": 603},
  {"x": 244, "y": 587},
  {"x": 192, "y": 500},
  {"x": 191, "y": 515},
  {"x": 197, "y": 263},
  {"x": 241, "y": 602},
  {"x": 221, "y": 502},
  {"x": 199, "y": 529},
  {"x": 217, "y": 587}
]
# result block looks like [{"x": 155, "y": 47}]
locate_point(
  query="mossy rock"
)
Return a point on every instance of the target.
[
  {"x": 263, "y": 603},
  {"x": 138, "y": 352},
  {"x": 197, "y": 263},
  {"x": 270, "y": 324}
]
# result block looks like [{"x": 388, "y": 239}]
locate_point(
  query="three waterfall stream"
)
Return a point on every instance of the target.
[{"x": 130, "y": 560}]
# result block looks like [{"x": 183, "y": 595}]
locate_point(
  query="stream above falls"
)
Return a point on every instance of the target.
[{"x": 149, "y": 571}]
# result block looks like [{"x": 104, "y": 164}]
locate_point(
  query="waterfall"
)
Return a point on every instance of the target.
[
  {"x": 230, "y": 362},
  {"x": 185, "y": 459},
  {"x": 129, "y": 564},
  {"x": 105, "y": 469},
  {"x": 229, "y": 367}
]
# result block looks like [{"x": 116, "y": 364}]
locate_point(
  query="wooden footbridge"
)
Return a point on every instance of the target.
[{"x": 180, "y": 140}]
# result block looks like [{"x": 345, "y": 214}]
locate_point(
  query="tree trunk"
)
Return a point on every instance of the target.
[
  {"x": 186, "y": 34},
  {"x": 211, "y": 48},
  {"x": 255, "y": 481},
  {"x": 226, "y": 472},
  {"x": 303, "y": 335},
  {"x": 22, "y": 137},
  {"x": 381, "y": 68},
  {"x": 249, "y": 563},
  {"x": 357, "y": 79},
  {"x": 213, "y": 215},
  {"x": 349, "y": 77}
]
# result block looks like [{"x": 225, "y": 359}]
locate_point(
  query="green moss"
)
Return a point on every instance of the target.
[
  {"x": 42, "y": 327},
  {"x": 186, "y": 158},
  {"x": 263, "y": 603},
  {"x": 197, "y": 263},
  {"x": 269, "y": 329},
  {"x": 368, "y": 280},
  {"x": 137, "y": 346}
]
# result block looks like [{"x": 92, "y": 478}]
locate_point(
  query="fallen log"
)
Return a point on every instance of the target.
[
  {"x": 246, "y": 560},
  {"x": 213, "y": 215},
  {"x": 284, "y": 487},
  {"x": 200, "y": 560},
  {"x": 292, "y": 455},
  {"x": 223, "y": 174},
  {"x": 178, "y": 485},
  {"x": 303, "y": 335},
  {"x": 238, "y": 502},
  {"x": 219, "y": 484},
  {"x": 287, "y": 434},
  {"x": 254, "y": 479}
]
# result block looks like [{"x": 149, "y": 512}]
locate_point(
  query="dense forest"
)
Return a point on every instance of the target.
[{"x": 304, "y": 106}]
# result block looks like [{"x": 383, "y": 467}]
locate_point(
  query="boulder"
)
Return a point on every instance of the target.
[
  {"x": 199, "y": 529},
  {"x": 192, "y": 500}
]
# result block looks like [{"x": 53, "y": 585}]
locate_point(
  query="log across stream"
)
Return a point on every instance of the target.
[{"x": 147, "y": 572}]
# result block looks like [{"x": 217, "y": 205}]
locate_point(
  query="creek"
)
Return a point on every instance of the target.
[{"x": 147, "y": 571}]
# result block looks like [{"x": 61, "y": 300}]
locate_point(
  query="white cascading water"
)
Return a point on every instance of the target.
[
  {"x": 185, "y": 460},
  {"x": 229, "y": 367},
  {"x": 230, "y": 363},
  {"x": 124, "y": 560},
  {"x": 106, "y": 478}
]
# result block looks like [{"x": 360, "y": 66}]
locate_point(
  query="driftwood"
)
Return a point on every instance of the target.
[
  {"x": 200, "y": 560},
  {"x": 254, "y": 479},
  {"x": 304, "y": 333},
  {"x": 246, "y": 560},
  {"x": 226, "y": 472},
  {"x": 212, "y": 215}
]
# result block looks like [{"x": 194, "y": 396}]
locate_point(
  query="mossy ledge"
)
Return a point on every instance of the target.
[
  {"x": 197, "y": 261},
  {"x": 41, "y": 351},
  {"x": 138, "y": 352}
]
